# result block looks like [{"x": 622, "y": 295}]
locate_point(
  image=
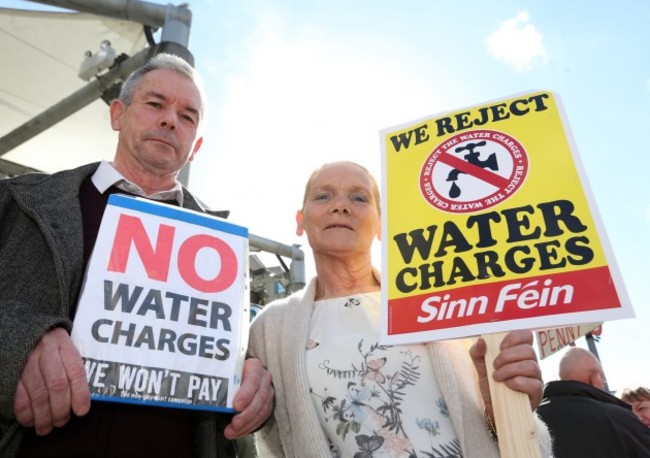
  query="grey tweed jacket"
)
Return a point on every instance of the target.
[{"x": 41, "y": 256}]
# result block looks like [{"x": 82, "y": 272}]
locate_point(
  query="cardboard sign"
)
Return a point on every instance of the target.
[
  {"x": 489, "y": 225},
  {"x": 163, "y": 315},
  {"x": 552, "y": 340}
]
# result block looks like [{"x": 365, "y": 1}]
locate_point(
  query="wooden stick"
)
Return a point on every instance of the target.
[{"x": 512, "y": 415}]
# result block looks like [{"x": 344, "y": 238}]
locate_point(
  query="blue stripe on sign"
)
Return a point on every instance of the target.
[{"x": 169, "y": 211}]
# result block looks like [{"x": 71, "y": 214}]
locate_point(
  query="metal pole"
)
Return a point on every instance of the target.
[
  {"x": 591, "y": 343},
  {"x": 297, "y": 268},
  {"x": 175, "y": 21},
  {"x": 146, "y": 13}
]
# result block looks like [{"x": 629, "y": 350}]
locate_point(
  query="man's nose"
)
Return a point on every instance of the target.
[{"x": 168, "y": 120}]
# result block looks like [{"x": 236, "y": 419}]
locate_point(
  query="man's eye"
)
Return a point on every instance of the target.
[
  {"x": 358, "y": 198},
  {"x": 154, "y": 104},
  {"x": 321, "y": 197},
  {"x": 189, "y": 119}
]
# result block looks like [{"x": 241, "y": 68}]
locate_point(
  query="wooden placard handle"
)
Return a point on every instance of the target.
[{"x": 512, "y": 415}]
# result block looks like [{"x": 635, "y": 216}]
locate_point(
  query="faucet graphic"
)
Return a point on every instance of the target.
[{"x": 473, "y": 158}]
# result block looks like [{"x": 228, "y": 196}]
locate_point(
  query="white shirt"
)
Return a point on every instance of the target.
[{"x": 106, "y": 176}]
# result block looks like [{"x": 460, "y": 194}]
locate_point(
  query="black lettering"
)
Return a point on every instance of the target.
[
  {"x": 407, "y": 250},
  {"x": 444, "y": 126},
  {"x": 539, "y": 102},
  {"x": 220, "y": 313},
  {"x": 452, "y": 236},
  {"x": 222, "y": 346},
  {"x": 488, "y": 261},
  {"x": 548, "y": 253},
  {"x": 560, "y": 210},
  {"x": 515, "y": 224},
  {"x": 499, "y": 113},
  {"x": 482, "y": 222},
  {"x": 95, "y": 329},
  {"x": 187, "y": 344},
  {"x": 462, "y": 121},
  {"x": 435, "y": 272},
  {"x": 128, "y": 333},
  {"x": 177, "y": 300},
  {"x": 196, "y": 311},
  {"x": 121, "y": 295},
  {"x": 575, "y": 246},
  {"x": 146, "y": 338},
  {"x": 400, "y": 280},
  {"x": 459, "y": 269},
  {"x": 153, "y": 302},
  {"x": 404, "y": 139},
  {"x": 167, "y": 339},
  {"x": 519, "y": 265}
]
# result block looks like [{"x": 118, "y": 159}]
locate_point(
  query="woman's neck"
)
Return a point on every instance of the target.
[{"x": 340, "y": 279}]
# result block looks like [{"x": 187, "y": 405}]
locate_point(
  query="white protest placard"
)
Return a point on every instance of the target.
[
  {"x": 552, "y": 340},
  {"x": 163, "y": 315}
]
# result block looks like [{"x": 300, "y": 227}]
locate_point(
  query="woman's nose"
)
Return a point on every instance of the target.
[{"x": 340, "y": 205}]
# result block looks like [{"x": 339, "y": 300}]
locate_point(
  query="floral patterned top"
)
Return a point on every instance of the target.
[{"x": 374, "y": 400}]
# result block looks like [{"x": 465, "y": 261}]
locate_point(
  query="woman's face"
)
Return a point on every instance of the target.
[
  {"x": 340, "y": 214},
  {"x": 642, "y": 410}
]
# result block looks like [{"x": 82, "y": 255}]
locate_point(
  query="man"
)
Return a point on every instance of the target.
[
  {"x": 586, "y": 421},
  {"x": 48, "y": 228}
]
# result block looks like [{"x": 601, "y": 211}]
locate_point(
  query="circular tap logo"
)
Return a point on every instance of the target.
[{"x": 473, "y": 171}]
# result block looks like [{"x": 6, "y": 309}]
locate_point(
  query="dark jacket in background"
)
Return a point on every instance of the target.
[{"x": 587, "y": 422}]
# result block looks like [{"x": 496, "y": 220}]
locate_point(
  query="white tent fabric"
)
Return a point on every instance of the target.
[{"x": 42, "y": 53}]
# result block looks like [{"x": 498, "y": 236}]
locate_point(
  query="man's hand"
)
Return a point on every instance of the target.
[
  {"x": 53, "y": 384},
  {"x": 253, "y": 401},
  {"x": 515, "y": 365}
]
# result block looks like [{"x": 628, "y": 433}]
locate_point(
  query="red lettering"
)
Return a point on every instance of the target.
[
  {"x": 187, "y": 263},
  {"x": 551, "y": 343},
  {"x": 543, "y": 339},
  {"x": 155, "y": 262}
]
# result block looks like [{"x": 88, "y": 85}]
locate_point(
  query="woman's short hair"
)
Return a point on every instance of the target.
[{"x": 639, "y": 394}]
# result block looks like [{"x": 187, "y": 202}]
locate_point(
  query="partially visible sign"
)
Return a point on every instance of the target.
[
  {"x": 552, "y": 340},
  {"x": 489, "y": 225},
  {"x": 164, "y": 312}
]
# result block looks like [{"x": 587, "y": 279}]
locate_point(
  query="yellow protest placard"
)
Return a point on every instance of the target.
[{"x": 489, "y": 225}]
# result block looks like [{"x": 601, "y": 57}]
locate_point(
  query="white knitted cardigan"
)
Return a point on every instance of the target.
[{"x": 278, "y": 337}]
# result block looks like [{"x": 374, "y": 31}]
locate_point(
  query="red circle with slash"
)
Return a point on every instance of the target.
[{"x": 473, "y": 171}]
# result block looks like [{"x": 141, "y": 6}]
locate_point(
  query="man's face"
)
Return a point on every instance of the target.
[
  {"x": 157, "y": 131},
  {"x": 642, "y": 410}
]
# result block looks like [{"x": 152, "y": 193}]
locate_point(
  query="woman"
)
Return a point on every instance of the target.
[
  {"x": 341, "y": 393},
  {"x": 639, "y": 399}
]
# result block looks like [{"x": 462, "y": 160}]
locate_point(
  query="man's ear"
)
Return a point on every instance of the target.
[
  {"x": 299, "y": 219},
  {"x": 197, "y": 146},
  {"x": 378, "y": 234},
  {"x": 116, "y": 110}
]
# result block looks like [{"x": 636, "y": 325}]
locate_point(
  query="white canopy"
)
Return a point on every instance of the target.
[{"x": 42, "y": 55}]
